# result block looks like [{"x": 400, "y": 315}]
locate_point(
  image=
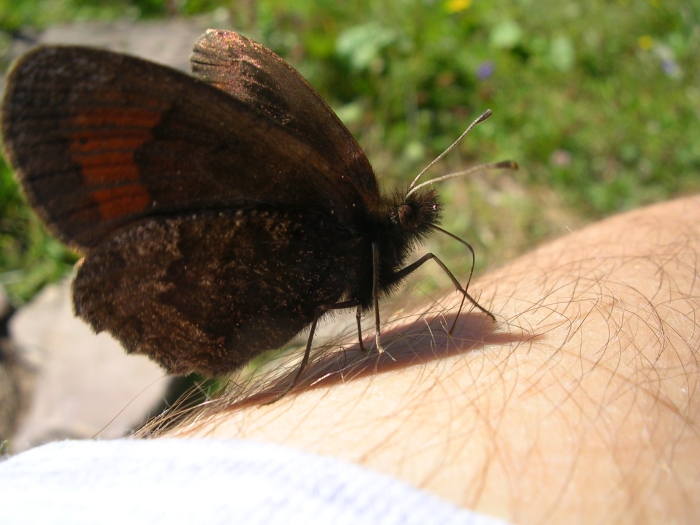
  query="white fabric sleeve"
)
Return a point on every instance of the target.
[{"x": 192, "y": 481}]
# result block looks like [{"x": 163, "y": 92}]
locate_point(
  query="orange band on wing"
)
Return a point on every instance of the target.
[
  {"x": 90, "y": 141},
  {"x": 122, "y": 117},
  {"x": 110, "y": 174},
  {"x": 104, "y": 146},
  {"x": 122, "y": 200}
]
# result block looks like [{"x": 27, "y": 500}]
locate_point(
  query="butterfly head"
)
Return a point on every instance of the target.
[{"x": 417, "y": 213}]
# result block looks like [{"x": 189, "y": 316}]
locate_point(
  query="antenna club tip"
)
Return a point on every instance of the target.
[
  {"x": 486, "y": 114},
  {"x": 507, "y": 164}
]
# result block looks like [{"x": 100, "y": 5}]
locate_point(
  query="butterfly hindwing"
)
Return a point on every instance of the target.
[{"x": 207, "y": 291}]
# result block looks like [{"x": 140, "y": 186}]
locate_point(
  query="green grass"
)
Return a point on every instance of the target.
[{"x": 598, "y": 101}]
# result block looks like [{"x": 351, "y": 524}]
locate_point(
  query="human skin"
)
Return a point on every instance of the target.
[{"x": 579, "y": 405}]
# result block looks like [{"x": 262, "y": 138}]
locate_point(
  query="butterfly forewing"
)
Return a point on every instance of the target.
[
  {"x": 258, "y": 77},
  {"x": 101, "y": 140}
]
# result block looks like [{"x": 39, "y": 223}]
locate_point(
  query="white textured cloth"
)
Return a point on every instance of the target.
[{"x": 183, "y": 481}]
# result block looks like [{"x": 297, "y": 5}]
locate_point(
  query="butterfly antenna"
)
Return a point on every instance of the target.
[
  {"x": 504, "y": 164},
  {"x": 486, "y": 114}
]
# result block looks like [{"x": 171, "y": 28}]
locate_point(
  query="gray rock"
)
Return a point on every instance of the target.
[
  {"x": 167, "y": 42},
  {"x": 85, "y": 383},
  {"x": 15, "y": 384},
  {"x": 15, "y": 377}
]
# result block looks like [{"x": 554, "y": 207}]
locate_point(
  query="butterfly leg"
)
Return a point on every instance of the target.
[
  {"x": 320, "y": 310},
  {"x": 375, "y": 296},
  {"x": 465, "y": 295},
  {"x": 358, "y": 315}
]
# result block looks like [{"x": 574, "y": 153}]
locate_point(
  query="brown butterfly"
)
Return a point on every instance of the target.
[{"x": 219, "y": 214}]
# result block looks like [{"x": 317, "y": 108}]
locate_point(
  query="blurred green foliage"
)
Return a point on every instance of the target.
[{"x": 598, "y": 101}]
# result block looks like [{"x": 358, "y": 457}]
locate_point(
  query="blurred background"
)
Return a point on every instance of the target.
[{"x": 597, "y": 100}]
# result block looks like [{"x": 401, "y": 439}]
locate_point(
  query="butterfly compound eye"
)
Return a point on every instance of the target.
[{"x": 408, "y": 217}]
